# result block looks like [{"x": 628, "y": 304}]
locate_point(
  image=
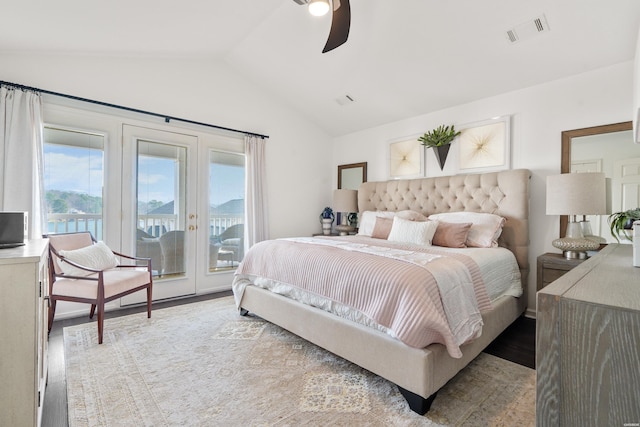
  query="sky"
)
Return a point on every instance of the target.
[{"x": 81, "y": 170}]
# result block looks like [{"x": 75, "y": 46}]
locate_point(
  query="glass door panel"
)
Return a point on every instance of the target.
[
  {"x": 161, "y": 204},
  {"x": 162, "y": 207},
  {"x": 221, "y": 167},
  {"x": 226, "y": 212}
]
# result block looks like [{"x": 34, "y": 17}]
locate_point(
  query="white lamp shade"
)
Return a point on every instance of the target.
[
  {"x": 345, "y": 200},
  {"x": 576, "y": 194}
]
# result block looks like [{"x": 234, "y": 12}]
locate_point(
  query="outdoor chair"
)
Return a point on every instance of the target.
[
  {"x": 83, "y": 270},
  {"x": 231, "y": 241},
  {"x": 172, "y": 244},
  {"x": 148, "y": 246}
]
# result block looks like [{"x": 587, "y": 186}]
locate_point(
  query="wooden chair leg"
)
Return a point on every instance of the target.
[
  {"x": 100, "y": 321},
  {"x": 149, "y": 302},
  {"x": 93, "y": 311},
  {"x": 52, "y": 312}
]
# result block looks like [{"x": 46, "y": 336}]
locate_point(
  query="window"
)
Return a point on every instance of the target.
[{"x": 73, "y": 180}]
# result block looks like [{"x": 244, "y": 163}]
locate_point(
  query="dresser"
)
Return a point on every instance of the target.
[
  {"x": 23, "y": 333},
  {"x": 588, "y": 343}
]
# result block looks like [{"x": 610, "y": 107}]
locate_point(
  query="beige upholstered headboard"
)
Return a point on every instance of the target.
[{"x": 504, "y": 193}]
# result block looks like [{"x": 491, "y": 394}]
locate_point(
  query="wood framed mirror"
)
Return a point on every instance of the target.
[
  {"x": 594, "y": 146},
  {"x": 352, "y": 175}
]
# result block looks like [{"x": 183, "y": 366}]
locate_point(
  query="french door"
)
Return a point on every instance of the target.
[
  {"x": 159, "y": 207},
  {"x": 183, "y": 207}
]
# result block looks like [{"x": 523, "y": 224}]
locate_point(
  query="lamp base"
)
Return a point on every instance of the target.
[
  {"x": 344, "y": 229},
  {"x": 575, "y": 254},
  {"x": 575, "y": 248}
]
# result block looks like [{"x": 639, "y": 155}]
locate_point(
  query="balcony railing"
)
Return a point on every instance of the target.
[
  {"x": 69, "y": 223},
  {"x": 155, "y": 225}
]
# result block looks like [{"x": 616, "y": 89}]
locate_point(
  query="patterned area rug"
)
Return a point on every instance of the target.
[{"x": 202, "y": 364}]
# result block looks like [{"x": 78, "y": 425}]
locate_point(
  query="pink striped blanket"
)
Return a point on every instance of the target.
[{"x": 421, "y": 294}]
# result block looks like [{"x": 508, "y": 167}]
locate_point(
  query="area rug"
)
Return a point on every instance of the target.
[{"x": 202, "y": 364}]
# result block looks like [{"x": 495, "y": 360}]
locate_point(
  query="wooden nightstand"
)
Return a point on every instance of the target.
[{"x": 553, "y": 265}]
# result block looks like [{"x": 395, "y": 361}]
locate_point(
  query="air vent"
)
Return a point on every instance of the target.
[
  {"x": 528, "y": 29},
  {"x": 344, "y": 100}
]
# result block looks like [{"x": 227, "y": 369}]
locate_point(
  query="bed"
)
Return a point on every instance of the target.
[{"x": 373, "y": 340}]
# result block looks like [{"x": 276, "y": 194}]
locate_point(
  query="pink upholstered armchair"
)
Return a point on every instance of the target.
[{"x": 83, "y": 270}]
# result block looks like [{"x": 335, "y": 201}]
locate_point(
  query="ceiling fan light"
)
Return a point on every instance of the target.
[{"x": 319, "y": 7}]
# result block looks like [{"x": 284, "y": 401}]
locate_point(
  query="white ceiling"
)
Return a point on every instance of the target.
[{"x": 403, "y": 57}]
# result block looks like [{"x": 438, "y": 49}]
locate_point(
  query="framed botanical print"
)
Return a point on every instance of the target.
[
  {"x": 485, "y": 145},
  {"x": 406, "y": 158}
]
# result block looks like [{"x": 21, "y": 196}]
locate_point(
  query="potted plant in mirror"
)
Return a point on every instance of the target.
[
  {"x": 326, "y": 219},
  {"x": 440, "y": 140},
  {"x": 621, "y": 223}
]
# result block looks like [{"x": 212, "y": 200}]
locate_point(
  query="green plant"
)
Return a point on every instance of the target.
[
  {"x": 622, "y": 222},
  {"x": 442, "y": 135}
]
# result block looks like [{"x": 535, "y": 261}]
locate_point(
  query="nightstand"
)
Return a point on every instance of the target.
[{"x": 553, "y": 265}]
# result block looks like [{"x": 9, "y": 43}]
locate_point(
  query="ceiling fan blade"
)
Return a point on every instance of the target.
[{"x": 340, "y": 24}]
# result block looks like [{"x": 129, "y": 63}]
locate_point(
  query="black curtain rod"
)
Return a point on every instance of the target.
[{"x": 166, "y": 118}]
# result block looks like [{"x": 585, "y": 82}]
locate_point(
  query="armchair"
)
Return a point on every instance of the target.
[
  {"x": 172, "y": 244},
  {"x": 232, "y": 239},
  {"x": 86, "y": 271},
  {"x": 148, "y": 246}
]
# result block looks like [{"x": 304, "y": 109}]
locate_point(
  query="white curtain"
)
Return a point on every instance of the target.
[
  {"x": 21, "y": 156},
  {"x": 257, "y": 225}
]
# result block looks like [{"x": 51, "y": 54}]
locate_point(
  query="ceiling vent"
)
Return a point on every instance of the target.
[
  {"x": 528, "y": 29},
  {"x": 345, "y": 100}
]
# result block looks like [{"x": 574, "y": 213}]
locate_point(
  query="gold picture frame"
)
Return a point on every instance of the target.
[{"x": 485, "y": 145}]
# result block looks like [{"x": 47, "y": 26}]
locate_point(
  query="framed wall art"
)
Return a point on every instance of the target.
[
  {"x": 406, "y": 158},
  {"x": 352, "y": 175},
  {"x": 485, "y": 145}
]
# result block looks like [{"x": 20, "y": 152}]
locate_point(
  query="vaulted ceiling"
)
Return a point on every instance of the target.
[{"x": 403, "y": 57}]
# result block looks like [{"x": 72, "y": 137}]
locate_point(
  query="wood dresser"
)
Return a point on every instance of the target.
[
  {"x": 588, "y": 344},
  {"x": 23, "y": 333}
]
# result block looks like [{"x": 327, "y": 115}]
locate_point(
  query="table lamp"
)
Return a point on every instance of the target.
[
  {"x": 576, "y": 194},
  {"x": 345, "y": 201}
]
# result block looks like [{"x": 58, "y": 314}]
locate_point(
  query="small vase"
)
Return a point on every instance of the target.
[
  {"x": 326, "y": 226},
  {"x": 441, "y": 153}
]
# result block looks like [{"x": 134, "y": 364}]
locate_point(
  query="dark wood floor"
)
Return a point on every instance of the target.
[{"x": 516, "y": 343}]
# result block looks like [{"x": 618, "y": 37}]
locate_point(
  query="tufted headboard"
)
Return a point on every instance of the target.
[{"x": 504, "y": 193}]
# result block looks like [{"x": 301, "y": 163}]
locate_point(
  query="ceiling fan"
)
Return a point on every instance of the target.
[{"x": 340, "y": 19}]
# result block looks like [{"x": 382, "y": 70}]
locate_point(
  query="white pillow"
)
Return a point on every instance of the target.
[
  {"x": 97, "y": 256},
  {"x": 368, "y": 221},
  {"x": 485, "y": 227},
  {"x": 418, "y": 232}
]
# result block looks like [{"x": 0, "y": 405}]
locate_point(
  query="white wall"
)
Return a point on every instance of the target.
[
  {"x": 299, "y": 176},
  {"x": 636, "y": 92},
  {"x": 539, "y": 115}
]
